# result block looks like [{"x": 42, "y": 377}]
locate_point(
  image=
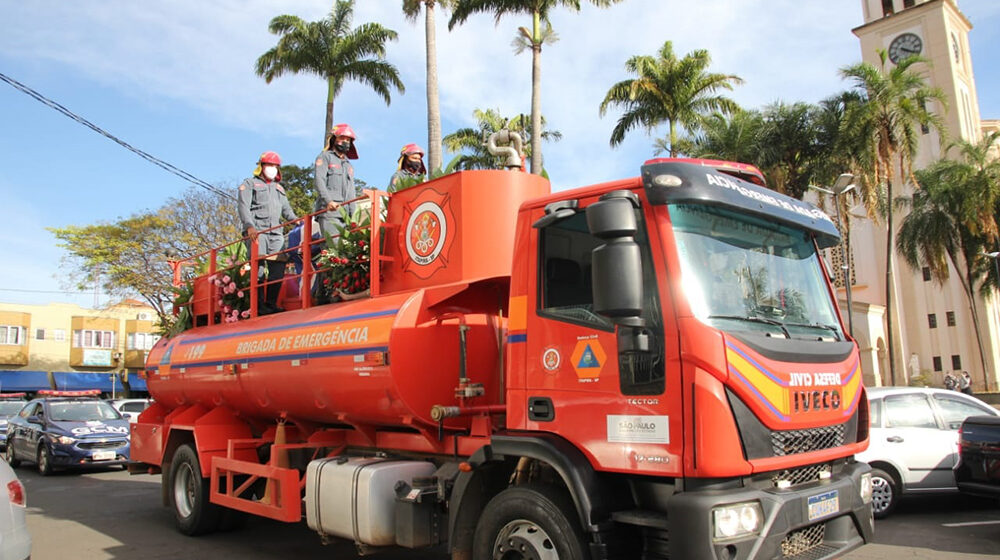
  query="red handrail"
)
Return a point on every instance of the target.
[{"x": 306, "y": 244}]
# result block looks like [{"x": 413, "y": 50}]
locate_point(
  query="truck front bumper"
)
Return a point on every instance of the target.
[{"x": 790, "y": 527}]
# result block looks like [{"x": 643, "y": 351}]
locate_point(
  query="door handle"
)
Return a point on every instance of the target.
[{"x": 894, "y": 439}]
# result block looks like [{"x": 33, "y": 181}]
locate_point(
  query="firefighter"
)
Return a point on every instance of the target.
[
  {"x": 409, "y": 166},
  {"x": 263, "y": 204},
  {"x": 335, "y": 177}
]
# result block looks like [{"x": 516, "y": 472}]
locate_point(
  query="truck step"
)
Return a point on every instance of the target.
[{"x": 641, "y": 518}]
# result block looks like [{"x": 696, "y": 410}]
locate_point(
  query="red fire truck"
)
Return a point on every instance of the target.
[{"x": 647, "y": 368}]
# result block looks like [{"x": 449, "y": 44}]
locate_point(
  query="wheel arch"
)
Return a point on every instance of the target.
[
  {"x": 893, "y": 470},
  {"x": 493, "y": 465}
]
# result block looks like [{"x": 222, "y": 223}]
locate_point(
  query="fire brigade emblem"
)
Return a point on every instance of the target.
[
  {"x": 428, "y": 236},
  {"x": 551, "y": 359}
]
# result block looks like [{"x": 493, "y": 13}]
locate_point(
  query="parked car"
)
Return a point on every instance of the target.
[
  {"x": 68, "y": 429},
  {"x": 10, "y": 404},
  {"x": 130, "y": 408},
  {"x": 978, "y": 469},
  {"x": 15, "y": 541},
  {"x": 914, "y": 441}
]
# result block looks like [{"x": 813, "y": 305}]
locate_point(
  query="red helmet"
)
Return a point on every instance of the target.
[
  {"x": 271, "y": 158},
  {"x": 411, "y": 149},
  {"x": 343, "y": 130}
]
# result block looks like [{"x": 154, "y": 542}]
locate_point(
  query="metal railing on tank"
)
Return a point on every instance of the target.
[{"x": 205, "y": 271}]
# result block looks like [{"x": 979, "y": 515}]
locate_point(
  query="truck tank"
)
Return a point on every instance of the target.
[{"x": 382, "y": 361}]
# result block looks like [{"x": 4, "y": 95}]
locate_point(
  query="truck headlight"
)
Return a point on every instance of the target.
[
  {"x": 66, "y": 440},
  {"x": 866, "y": 487},
  {"x": 737, "y": 520}
]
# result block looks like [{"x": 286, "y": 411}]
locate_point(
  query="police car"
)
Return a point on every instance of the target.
[
  {"x": 68, "y": 429},
  {"x": 10, "y": 405}
]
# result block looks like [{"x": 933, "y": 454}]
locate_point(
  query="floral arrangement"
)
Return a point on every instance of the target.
[
  {"x": 347, "y": 256},
  {"x": 233, "y": 282}
]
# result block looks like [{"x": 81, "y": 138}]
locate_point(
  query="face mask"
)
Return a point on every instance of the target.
[
  {"x": 270, "y": 173},
  {"x": 342, "y": 147},
  {"x": 412, "y": 166}
]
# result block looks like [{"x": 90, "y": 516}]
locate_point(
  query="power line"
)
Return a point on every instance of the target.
[
  {"x": 144, "y": 155},
  {"x": 25, "y": 290}
]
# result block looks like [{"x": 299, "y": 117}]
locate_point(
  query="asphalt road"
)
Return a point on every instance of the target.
[{"x": 111, "y": 515}]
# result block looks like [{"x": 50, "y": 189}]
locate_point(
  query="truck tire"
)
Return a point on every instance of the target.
[
  {"x": 189, "y": 495},
  {"x": 885, "y": 493},
  {"x": 10, "y": 455},
  {"x": 534, "y": 522},
  {"x": 44, "y": 460}
]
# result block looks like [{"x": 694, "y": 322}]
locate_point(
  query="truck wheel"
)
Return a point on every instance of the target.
[
  {"x": 529, "y": 522},
  {"x": 189, "y": 492},
  {"x": 12, "y": 459},
  {"x": 885, "y": 493},
  {"x": 44, "y": 460}
]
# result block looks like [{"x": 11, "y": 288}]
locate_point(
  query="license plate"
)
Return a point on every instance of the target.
[
  {"x": 823, "y": 505},
  {"x": 103, "y": 455}
]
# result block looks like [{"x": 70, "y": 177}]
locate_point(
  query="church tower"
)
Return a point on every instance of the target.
[{"x": 935, "y": 325}]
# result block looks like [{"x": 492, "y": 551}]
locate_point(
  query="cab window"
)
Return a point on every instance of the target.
[
  {"x": 565, "y": 273},
  {"x": 28, "y": 410}
]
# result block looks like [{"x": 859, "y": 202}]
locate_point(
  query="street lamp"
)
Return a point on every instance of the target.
[{"x": 843, "y": 185}]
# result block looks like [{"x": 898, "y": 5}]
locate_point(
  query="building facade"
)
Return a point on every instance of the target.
[
  {"x": 934, "y": 322},
  {"x": 68, "y": 347}
]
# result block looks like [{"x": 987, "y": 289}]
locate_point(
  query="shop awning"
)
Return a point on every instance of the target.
[
  {"x": 13, "y": 381},
  {"x": 136, "y": 383},
  {"x": 78, "y": 381}
]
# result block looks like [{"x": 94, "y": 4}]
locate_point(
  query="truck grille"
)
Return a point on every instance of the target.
[
  {"x": 802, "y": 475},
  {"x": 806, "y": 544},
  {"x": 102, "y": 444},
  {"x": 790, "y": 442}
]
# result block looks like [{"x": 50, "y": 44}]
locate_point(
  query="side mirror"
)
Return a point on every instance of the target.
[
  {"x": 34, "y": 420},
  {"x": 617, "y": 265}
]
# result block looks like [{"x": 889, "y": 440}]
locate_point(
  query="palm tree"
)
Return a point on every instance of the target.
[
  {"x": 332, "y": 49},
  {"x": 470, "y": 143},
  {"x": 953, "y": 220},
  {"x": 734, "y": 137},
  {"x": 412, "y": 9},
  {"x": 668, "y": 90},
  {"x": 539, "y": 10},
  {"x": 885, "y": 125}
]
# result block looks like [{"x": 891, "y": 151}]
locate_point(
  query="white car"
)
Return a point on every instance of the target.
[
  {"x": 914, "y": 441},
  {"x": 15, "y": 542},
  {"x": 130, "y": 408}
]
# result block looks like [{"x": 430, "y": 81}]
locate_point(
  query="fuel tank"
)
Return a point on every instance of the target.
[{"x": 383, "y": 360}]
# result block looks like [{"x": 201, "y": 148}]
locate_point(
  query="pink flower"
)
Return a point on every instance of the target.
[
  {"x": 220, "y": 303},
  {"x": 226, "y": 279},
  {"x": 246, "y": 314},
  {"x": 232, "y": 286},
  {"x": 239, "y": 294}
]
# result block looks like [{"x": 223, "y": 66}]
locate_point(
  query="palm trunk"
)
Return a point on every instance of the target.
[
  {"x": 889, "y": 278},
  {"x": 966, "y": 281},
  {"x": 434, "y": 158},
  {"x": 536, "y": 95},
  {"x": 673, "y": 139},
  {"x": 330, "y": 89}
]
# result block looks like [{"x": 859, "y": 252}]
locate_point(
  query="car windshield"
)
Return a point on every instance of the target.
[
  {"x": 82, "y": 411},
  {"x": 10, "y": 408},
  {"x": 743, "y": 273}
]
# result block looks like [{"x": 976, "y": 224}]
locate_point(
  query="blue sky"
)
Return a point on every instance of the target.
[{"x": 176, "y": 79}]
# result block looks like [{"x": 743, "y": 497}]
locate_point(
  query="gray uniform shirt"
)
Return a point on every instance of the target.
[
  {"x": 334, "y": 181},
  {"x": 264, "y": 205},
  {"x": 400, "y": 175}
]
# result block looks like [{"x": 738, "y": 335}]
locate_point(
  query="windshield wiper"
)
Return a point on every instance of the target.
[
  {"x": 830, "y": 328},
  {"x": 752, "y": 319}
]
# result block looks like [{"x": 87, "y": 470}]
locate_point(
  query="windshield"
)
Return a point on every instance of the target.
[
  {"x": 82, "y": 411},
  {"x": 742, "y": 273},
  {"x": 10, "y": 408}
]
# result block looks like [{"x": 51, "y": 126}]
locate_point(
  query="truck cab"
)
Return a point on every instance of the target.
[{"x": 680, "y": 326}]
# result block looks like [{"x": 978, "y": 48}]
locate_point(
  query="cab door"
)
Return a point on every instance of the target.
[
  {"x": 579, "y": 382},
  {"x": 22, "y": 430}
]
